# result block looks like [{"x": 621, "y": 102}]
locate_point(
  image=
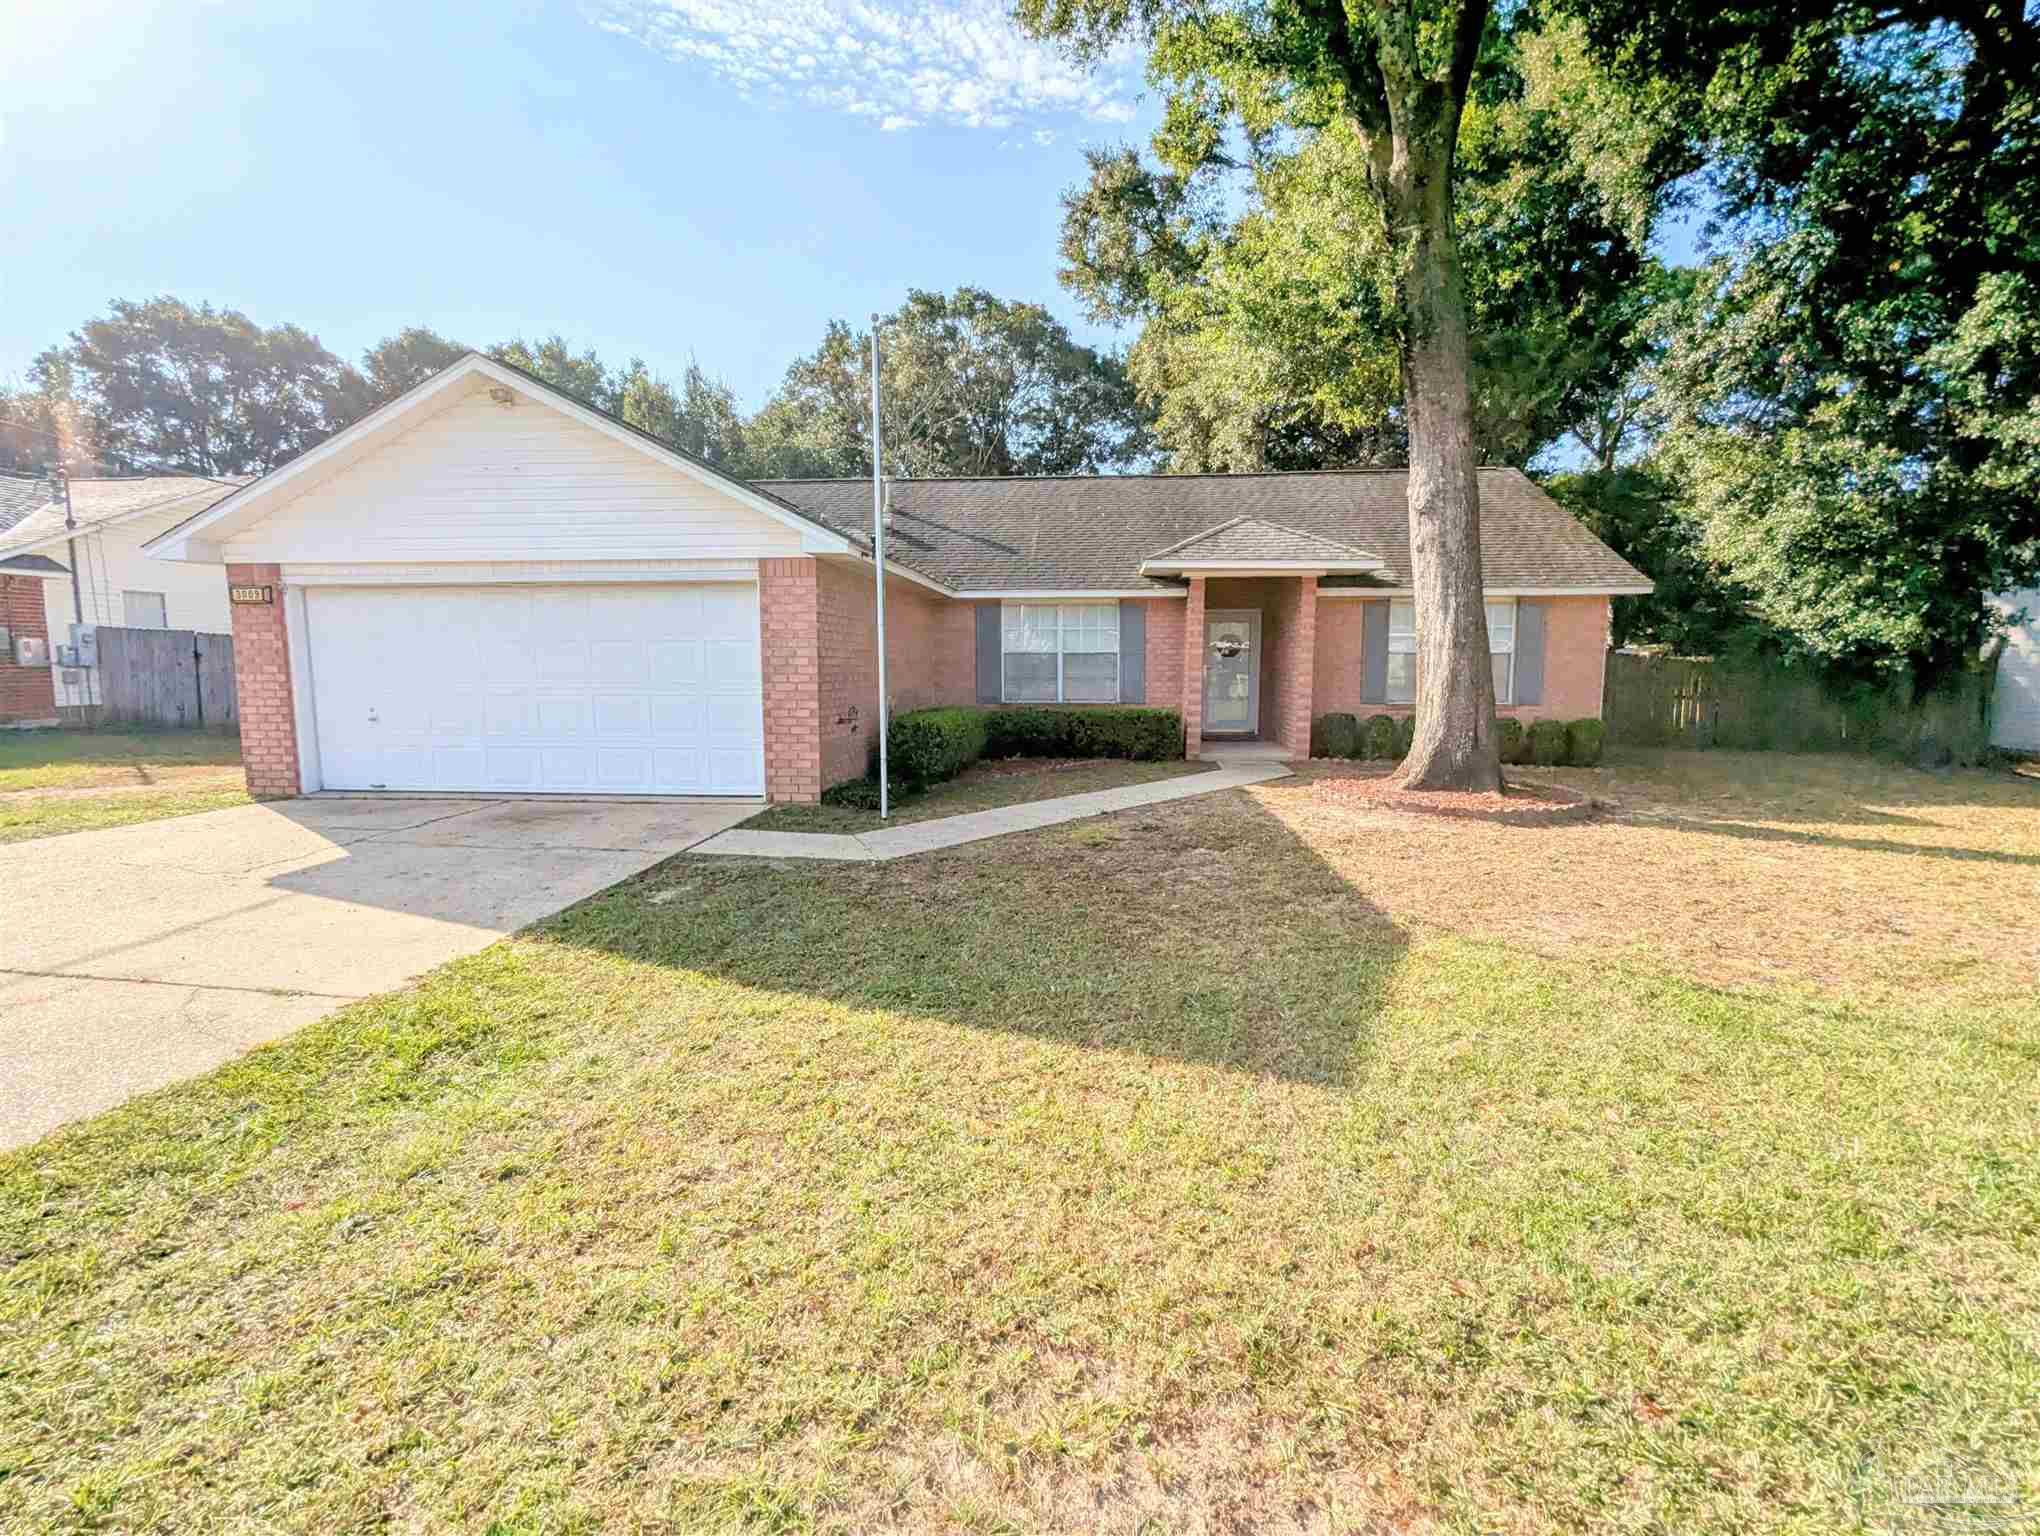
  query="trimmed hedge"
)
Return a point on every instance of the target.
[
  {"x": 1405, "y": 735},
  {"x": 930, "y": 745},
  {"x": 1510, "y": 740},
  {"x": 1335, "y": 735},
  {"x": 1381, "y": 738},
  {"x": 1583, "y": 742},
  {"x": 1547, "y": 743},
  {"x": 1140, "y": 734}
]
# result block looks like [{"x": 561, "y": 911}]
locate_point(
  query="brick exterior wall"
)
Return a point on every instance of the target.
[
  {"x": 788, "y": 611},
  {"x": 1575, "y": 660},
  {"x": 269, "y": 747},
  {"x": 1165, "y": 653},
  {"x": 26, "y": 693},
  {"x": 931, "y": 659},
  {"x": 1191, "y": 678},
  {"x": 1293, "y": 656}
]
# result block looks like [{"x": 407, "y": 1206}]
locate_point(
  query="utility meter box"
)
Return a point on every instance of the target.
[
  {"x": 85, "y": 641},
  {"x": 31, "y": 651},
  {"x": 67, "y": 655}
]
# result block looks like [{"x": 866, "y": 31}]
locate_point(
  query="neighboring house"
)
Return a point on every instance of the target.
[
  {"x": 26, "y": 696},
  {"x": 486, "y": 585},
  {"x": 116, "y": 583},
  {"x": 2015, "y": 706}
]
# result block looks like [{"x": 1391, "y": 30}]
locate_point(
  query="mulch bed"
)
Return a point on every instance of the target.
[{"x": 1523, "y": 805}]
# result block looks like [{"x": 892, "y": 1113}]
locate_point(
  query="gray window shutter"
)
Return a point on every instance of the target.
[
  {"x": 1374, "y": 653},
  {"x": 1529, "y": 653},
  {"x": 988, "y": 661},
  {"x": 1132, "y": 651}
]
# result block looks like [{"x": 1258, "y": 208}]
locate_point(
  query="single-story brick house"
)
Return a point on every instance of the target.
[{"x": 487, "y": 585}]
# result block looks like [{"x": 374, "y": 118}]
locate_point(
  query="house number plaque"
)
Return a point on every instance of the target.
[{"x": 258, "y": 596}]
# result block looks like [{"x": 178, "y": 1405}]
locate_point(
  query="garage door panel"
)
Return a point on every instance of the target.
[{"x": 524, "y": 690}]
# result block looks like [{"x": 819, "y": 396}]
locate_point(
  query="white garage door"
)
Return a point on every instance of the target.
[{"x": 539, "y": 690}]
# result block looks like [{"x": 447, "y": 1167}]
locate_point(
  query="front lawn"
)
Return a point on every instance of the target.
[
  {"x": 1221, "y": 1166},
  {"x": 52, "y": 782},
  {"x": 983, "y": 786}
]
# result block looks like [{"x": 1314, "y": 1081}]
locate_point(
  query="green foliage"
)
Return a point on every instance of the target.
[
  {"x": 1583, "y": 742},
  {"x": 1383, "y": 738},
  {"x": 1511, "y": 739},
  {"x": 862, "y": 794},
  {"x": 1405, "y": 734},
  {"x": 974, "y": 385},
  {"x": 404, "y": 361},
  {"x": 1335, "y": 735},
  {"x": 927, "y": 746},
  {"x": 1137, "y": 733},
  {"x": 162, "y": 384},
  {"x": 1548, "y": 743},
  {"x": 1852, "y": 405}
]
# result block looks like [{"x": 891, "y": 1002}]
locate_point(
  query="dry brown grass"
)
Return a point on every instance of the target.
[{"x": 1850, "y": 876}]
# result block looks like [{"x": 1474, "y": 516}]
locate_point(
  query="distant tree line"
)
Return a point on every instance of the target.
[{"x": 975, "y": 385}]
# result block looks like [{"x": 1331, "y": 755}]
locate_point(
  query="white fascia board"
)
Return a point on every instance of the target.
[
  {"x": 1067, "y": 594},
  {"x": 1631, "y": 591},
  {"x": 175, "y": 542},
  {"x": 905, "y": 573},
  {"x": 1262, "y": 567}
]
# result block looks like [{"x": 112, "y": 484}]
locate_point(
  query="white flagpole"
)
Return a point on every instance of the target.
[{"x": 878, "y": 561}]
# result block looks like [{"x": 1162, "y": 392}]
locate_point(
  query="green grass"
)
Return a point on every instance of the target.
[
  {"x": 1140, "y": 1174},
  {"x": 23, "y": 817},
  {"x": 980, "y": 787},
  {"x": 80, "y": 759}
]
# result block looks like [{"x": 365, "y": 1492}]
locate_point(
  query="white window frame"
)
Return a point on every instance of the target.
[
  {"x": 127, "y": 617},
  {"x": 1402, "y": 641},
  {"x": 1065, "y": 614},
  {"x": 1503, "y": 696}
]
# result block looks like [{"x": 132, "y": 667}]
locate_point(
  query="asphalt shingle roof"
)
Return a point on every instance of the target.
[
  {"x": 18, "y": 499},
  {"x": 1092, "y": 533},
  {"x": 94, "y": 502},
  {"x": 1253, "y": 540}
]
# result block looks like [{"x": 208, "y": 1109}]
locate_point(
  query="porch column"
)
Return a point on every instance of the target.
[
  {"x": 1193, "y": 670},
  {"x": 1298, "y": 662}
]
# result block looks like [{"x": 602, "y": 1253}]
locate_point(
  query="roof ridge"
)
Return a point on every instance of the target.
[{"x": 1142, "y": 474}]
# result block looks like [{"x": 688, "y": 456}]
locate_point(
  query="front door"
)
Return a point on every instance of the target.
[{"x": 1232, "y": 671}]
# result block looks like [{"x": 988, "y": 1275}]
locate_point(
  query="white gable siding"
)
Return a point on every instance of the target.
[
  {"x": 484, "y": 482},
  {"x": 2015, "y": 707}
]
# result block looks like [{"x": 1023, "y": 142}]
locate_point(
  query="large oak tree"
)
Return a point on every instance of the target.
[{"x": 1393, "y": 75}]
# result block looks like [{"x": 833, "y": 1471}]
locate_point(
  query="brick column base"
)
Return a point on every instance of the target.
[
  {"x": 269, "y": 746},
  {"x": 789, "y": 611},
  {"x": 1299, "y": 667},
  {"x": 1193, "y": 670}
]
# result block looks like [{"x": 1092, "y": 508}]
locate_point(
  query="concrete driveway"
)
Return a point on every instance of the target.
[{"x": 141, "y": 955}]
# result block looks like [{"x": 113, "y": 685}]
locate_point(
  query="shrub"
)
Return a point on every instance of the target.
[
  {"x": 1405, "y": 735},
  {"x": 862, "y": 794},
  {"x": 1335, "y": 735},
  {"x": 1583, "y": 742},
  {"x": 1547, "y": 743},
  {"x": 1144, "y": 735},
  {"x": 930, "y": 745},
  {"x": 1509, "y": 740},
  {"x": 1381, "y": 737}
]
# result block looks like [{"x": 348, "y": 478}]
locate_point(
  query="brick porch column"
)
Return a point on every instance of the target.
[
  {"x": 789, "y": 611},
  {"x": 1299, "y": 668},
  {"x": 262, "y": 691},
  {"x": 1193, "y": 670}
]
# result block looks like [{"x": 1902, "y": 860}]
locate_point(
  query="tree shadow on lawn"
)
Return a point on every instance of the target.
[{"x": 1206, "y": 932}]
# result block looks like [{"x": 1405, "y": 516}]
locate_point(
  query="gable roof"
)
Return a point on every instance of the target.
[
  {"x": 1094, "y": 533},
  {"x": 97, "y": 504},
  {"x": 19, "y": 496},
  {"x": 31, "y": 565},
  {"x": 1255, "y": 541},
  {"x": 184, "y": 540}
]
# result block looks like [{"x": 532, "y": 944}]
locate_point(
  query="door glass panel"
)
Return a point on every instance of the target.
[{"x": 1229, "y": 663}]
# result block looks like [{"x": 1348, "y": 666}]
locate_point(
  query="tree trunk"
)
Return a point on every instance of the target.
[{"x": 1455, "y": 696}]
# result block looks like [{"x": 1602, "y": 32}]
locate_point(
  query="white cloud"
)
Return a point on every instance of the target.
[{"x": 903, "y": 62}]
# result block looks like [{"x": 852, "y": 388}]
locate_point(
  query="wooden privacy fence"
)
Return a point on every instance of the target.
[
  {"x": 170, "y": 677},
  {"x": 1697, "y": 701}
]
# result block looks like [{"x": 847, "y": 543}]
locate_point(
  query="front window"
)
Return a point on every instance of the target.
[
  {"x": 1402, "y": 653},
  {"x": 1060, "y": 653},
  {"x": 1501, "y": 644},
  {"x": 143, "y": 610}
]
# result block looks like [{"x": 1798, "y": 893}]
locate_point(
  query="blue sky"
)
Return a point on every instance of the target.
[{"x": 670, "y": 178}]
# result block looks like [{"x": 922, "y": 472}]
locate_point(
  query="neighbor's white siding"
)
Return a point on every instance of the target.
[
  {"x": 2015, "y": 709},
  {"x": 482, "y": 481},
  {"x": 110, "y": 562}
]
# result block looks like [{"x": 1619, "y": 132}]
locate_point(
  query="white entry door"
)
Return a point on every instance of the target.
[{"x": 539, "y": 690}]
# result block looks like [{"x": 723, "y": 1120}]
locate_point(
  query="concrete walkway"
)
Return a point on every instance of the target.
[
  {"x": 137, "y": 956},
  {"x": 949, "y": 831}
]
